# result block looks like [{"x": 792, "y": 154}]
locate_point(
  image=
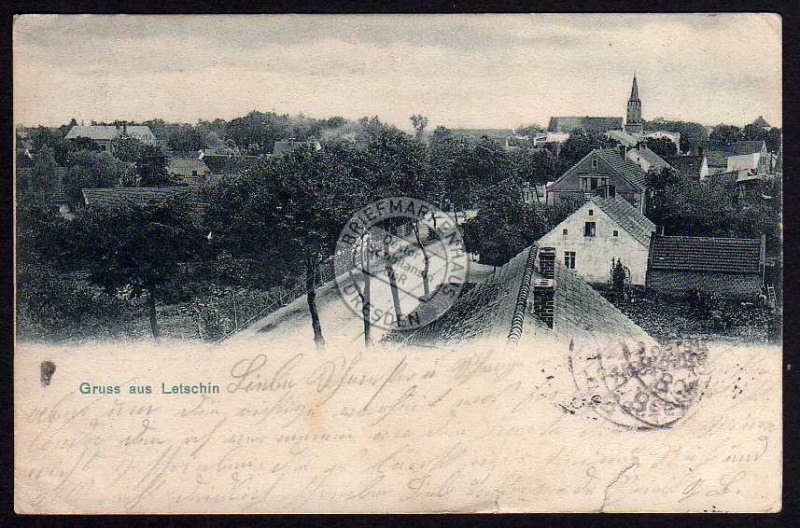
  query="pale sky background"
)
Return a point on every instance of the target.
[{"x": 481, "y": 71}]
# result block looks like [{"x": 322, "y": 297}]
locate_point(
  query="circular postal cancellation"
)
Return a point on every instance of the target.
[
  {"x": 400, "y": 263},
  {"x": 642, "y": 387}
]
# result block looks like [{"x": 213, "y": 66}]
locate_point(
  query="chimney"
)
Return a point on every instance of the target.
[
  {"x": 547, "y": 262},
  {"x": 544, "y": 300}
]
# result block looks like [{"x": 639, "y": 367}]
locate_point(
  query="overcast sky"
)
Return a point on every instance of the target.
[{"x": 460, "y": 71}]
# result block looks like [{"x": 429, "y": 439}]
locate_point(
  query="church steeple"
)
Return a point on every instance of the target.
[
  {"x": 633, "y": 121},
  {"x": 634, "y": 90}
]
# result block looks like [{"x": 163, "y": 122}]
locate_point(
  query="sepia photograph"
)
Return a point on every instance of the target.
[{"x": 474, "y": 263}]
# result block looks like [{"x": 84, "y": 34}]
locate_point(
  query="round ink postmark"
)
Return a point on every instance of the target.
[
  {"x": 642, "y": 387},
  {"x": 400, "y": 263}
]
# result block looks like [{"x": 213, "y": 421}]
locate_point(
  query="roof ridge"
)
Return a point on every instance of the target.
[{"x": 518, "y": 317}]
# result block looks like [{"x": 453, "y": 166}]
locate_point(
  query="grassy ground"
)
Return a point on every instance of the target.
[{"x": 667, "y": 318}]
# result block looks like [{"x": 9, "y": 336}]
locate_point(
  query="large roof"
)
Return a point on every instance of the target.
[
  {"x": 721, "y": 255},
  {"x": 627, "y": 217},
  {"x": 499, "y": 307},
  {"x": 624, "y": 167},
  {"x": 109, "y": 132},
  {"x": 103, "y": 197}
]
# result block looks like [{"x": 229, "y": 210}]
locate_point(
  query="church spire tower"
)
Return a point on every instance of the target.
[{"x": 633, "y": 120}]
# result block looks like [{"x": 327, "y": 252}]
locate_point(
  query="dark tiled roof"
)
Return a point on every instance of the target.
[
  {"x": 624, "y": 167},
  {"x": 500, "y": 307},
  {"x": 722, "y": 255},
  {"x": 485, "y": 311},
  {"x": 184, "y": 154},
  {"x": 688, "y": 165},
  {"x": 739, "y": 148},
  {"x": 628, "y": 217},
  {"x": 581, "y": 313},
  {"x": 104, "y": 197}
]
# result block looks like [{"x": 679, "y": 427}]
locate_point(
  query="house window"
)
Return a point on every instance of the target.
[
  {"x": 194, "y": 173},
  {"x": 591, "y": 212},
  {"x": 594, "y": 184},
  {"x": 564, "y": 232},
  {"x": 616, "y": 233},
  {"x": 594, "y": 163},
  {"x": 569, "y": 259},
  {"x": 589, "y": 229}
]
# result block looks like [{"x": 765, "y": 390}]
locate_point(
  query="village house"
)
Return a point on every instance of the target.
[
  {"x": 106, "y": 135},
  {"x": 188, "y": 167},
  {"x": 603, "y": 171},
  {"x": 601, "y": 231},
  {"x": 731, "y": 268},
  {"x": 743, "y": 157}
]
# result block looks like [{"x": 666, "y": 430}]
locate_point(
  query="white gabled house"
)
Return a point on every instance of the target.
[{"x": 603, "y": 229}]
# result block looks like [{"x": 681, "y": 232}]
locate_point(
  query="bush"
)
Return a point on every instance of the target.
[{"x": 54, "y": 306}]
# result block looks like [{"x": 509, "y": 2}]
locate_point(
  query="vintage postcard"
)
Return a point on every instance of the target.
[{"x": 396, "y": 263}]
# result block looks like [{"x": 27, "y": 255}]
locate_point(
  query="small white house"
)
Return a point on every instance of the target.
[{"x": 599, "y": 231}]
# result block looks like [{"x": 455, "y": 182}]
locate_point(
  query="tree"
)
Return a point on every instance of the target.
[
  {"x": 184, "y": 138},
  {"x": 420, "y": 122},
  {"x": 506, "y": 227},
  {"x": 288, "y": 213},
  {"x": 726, "y": 134},
  {"x": 535, "y": 166},
  {"x": 43, "y": 176},
  {"x": 530, "y": 130},
  {"x": 578, "y": 145},
  {"x": 664, "y": 147},
  {"x": 661, "y": 188},
  {"x": 141, "y": 247},
  {"x": 89, "y": 169},
  {"x": 149, "y": 162},
  {"x": 693, "y": 135}
]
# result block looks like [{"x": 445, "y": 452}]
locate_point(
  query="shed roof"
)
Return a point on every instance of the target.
[{"x": 703, "y": 254}]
